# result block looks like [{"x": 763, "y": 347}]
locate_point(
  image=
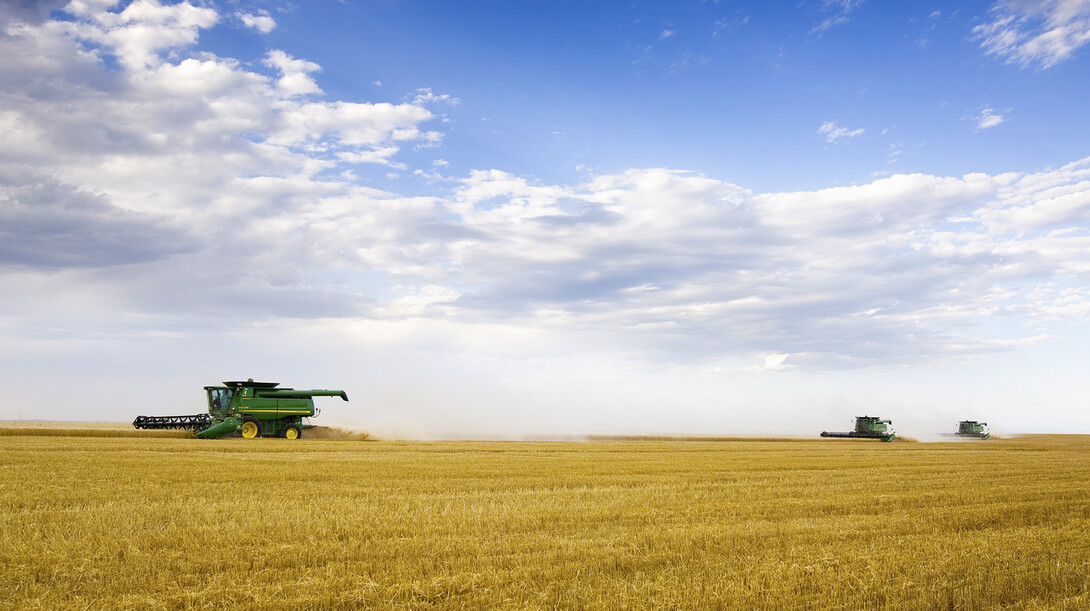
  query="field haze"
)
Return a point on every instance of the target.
[{"x": 161, "y": 522}]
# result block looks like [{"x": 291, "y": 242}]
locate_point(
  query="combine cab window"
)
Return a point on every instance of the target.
[{"x": 219, "y": 399}]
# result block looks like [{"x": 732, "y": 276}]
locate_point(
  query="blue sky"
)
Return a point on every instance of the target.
[
  {"x": 499, "y": 219},
  {"x": 703, "y": 86}
]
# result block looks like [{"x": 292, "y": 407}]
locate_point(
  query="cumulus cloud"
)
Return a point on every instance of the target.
[
  {"x": 138, "y": 34},
  {"x": 424, "y": 96},
  {"x": 349, "y": 123},
  {"x": 64, "y": 106},
  {"x": 121, "y": 147},
  {"x": 834, "y": 132},
  {"x": 294, "y": 73},
  {"x": 1035, "y": 33},
  {"x": 260, "y": 21}
]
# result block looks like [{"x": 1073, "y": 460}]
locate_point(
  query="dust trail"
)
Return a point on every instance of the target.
[{"x": 337, "y": 434}]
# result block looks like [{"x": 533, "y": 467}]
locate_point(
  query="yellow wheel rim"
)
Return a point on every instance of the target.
[
  {"x": 249, "y": 430},
  {"x": 292, "y": 433}
]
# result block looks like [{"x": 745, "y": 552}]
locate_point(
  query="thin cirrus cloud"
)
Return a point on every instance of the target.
[
  {"x": 1035, "y": 33},
  {"x": 840, "y": 14},
  {"x": 834, "y": 133}
]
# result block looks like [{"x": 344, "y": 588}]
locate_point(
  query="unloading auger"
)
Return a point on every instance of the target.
[{"x": 257, "y": 409}]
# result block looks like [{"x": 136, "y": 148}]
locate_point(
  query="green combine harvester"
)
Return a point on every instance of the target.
[
  {"x": 867, "y": 427},
  {"x": 974, "y": 429},
  {"x": 257, "y": 409}
]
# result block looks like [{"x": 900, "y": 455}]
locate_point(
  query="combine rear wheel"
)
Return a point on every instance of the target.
[
  {"x": 250, "y": 429},
  {"x": 291, "y": 432}
]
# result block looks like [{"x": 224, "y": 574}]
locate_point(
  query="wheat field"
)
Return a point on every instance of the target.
[{"x": 167, "y": 523}]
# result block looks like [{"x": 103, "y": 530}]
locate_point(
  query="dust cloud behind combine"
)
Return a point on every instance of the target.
[{"x": 333, "y": 433}]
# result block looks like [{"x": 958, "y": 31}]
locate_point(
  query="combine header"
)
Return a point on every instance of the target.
[
  {"x": 867, "y": 427},
  {"x": 974, "y": 429},
  {"x": 257, "y": 409}
]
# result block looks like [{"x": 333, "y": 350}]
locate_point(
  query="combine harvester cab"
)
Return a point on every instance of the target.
[
  {"x": 973, "y": 429},
  {"x": 867, "y": 427},
  {"x": 257, "y": 409}
]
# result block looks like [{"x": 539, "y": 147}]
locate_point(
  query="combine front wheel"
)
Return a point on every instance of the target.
[
  {"x": 249, "y": 429},
  {"x": 291, "y": 432}
]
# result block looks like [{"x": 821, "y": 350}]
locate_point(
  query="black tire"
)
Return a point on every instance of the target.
[{"x": 291, "y": 432}]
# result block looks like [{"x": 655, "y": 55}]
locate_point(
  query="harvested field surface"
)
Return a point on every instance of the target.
[{"x": 128, "y": 522}]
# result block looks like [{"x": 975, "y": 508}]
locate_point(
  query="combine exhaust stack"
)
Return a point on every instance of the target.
[
  {"x": 867, "y": 427},
  {"x": 257, "y": 409}
]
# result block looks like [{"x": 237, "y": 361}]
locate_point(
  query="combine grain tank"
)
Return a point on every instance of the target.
[
  {"x": 257, "y": 409},
  {"x": 974, "y": 429},
  {"x": 867, "y": 427}
]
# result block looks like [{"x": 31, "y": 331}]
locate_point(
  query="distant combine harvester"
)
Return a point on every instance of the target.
[{"x": 973, "y": 429}]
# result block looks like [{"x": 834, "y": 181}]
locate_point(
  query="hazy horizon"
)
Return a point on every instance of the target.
[{"x": 700, "y": 218}]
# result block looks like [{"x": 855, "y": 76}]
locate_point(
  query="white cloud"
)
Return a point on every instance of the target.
[
  {"x": 834, "y": 132},
  {"x": 137, "y": 34},
  {"x": 772, "y": 362},
  {"x": 349, "y": 123},
  {"x": 988, "y": 118},
  {"x": 380, "y": 156},
  {"x": 261, "y": 21},
  {"x": 1039, "y": 33},
  {"x": 184, "y": 146},
  {"x": 425, "y": 96},
  {"x": 1057, "y": 200},
  {"x": 666, "y": 33},
  {"x": 785, "y": 273},
  {"x": 498, "y": 197},
  {"x": 294, "y": 73}
]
